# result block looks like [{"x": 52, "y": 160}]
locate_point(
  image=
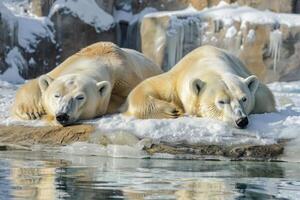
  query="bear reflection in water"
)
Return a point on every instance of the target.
[{"x": 131, "y": 179}]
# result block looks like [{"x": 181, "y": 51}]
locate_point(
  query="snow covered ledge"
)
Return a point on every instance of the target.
[
  {"x": 273, "y": 136},
  {"x": 267, "y": 42}
]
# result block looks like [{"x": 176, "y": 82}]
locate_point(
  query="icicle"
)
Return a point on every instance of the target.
[
  {"x": 275, "y": 46},
  {"x": 183, "y": 35}
]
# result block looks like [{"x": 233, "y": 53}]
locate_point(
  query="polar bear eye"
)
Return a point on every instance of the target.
[
  {"x": 80, "y": 97},
  {"x": 221, "y": 102},
  {"x": 56, "y": 95},
  {"x": 244, "y": 99}
]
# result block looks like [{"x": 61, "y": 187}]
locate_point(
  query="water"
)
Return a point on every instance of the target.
[{"x": 49, "y": 175}]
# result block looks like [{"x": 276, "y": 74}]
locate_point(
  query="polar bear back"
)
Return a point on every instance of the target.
[{"x": 208, "y": 59}]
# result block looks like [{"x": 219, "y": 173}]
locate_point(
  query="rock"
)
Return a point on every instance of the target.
[
  {"x": 66, "y": 26},
  {"x": 31, "y": 46},
  {"x": 80, "y": 19},
  {"x": 28, "y": 46},
  {"x": 24, "y": 137},
  {"x": 28, "y": 136},
  {"x": 268, "y": 43},
  {"x": 241, "y": 152},
  {"x": 286, "y": 6},
  {"x": 43, "y": 7}
]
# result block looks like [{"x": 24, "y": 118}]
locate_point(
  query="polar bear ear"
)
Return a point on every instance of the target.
[
  {"x": 197, "y": 85},
  {"x": 103, "y": 88},
  {"x": 252, "y": 83},
  {"x": 44, "y": 82}
]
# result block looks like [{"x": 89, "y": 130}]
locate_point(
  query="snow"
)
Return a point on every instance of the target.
[
  {"x": 7, "y": 16},
  {"x": 31, "y": 30},
  {"x": 86, "y": 10},
  {"x": 28, "y": 31},
  {"x": 263, "y": 128},
  {"x": 15, "y": 60},
  {"x": 19, "y": 7}
]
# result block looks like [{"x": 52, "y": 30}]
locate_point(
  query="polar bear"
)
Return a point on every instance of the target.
[
  {"x": 90, "y": 83},
  {"x": 207, "y": 82}
]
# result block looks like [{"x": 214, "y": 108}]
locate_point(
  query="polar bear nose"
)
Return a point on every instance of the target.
[
  {"x": 62, "y": 118},
  {"x": 242, "y": 122}
]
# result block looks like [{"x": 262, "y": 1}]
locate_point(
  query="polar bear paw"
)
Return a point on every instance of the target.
[
  {"x": 29, "y": 112},
  {"x": 168, "y": 110}
]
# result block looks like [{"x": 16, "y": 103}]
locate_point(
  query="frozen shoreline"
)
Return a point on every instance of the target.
[{"x": 263, "y": 129}]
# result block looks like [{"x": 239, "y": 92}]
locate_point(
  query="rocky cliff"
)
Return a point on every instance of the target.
[
  {"x": 37, "y": 35},
  {"x": 267, "y": 42}
]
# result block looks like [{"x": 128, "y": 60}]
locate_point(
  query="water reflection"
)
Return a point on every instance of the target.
[{"x": 45, "y": 175}]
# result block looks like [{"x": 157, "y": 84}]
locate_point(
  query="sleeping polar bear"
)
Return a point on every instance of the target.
[
  {"x": 207, "y": 82},
  {"x": 90, "y": 83}
]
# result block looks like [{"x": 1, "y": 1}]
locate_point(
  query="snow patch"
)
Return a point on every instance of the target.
[
  {"x": 86, "y": 10},
  {"x": 15, "y": 61},
  {"x": 32, "y": 30}
]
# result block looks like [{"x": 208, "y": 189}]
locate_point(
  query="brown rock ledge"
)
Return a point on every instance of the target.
[
  {"x": 50, "y": 135},
  {"x": 19, "y": 137}
]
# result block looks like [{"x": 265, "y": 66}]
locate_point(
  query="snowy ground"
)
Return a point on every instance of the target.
[{"x": 263, "y": 129}]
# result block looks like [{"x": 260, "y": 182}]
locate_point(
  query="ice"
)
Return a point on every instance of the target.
[
  {"x": 87, "y": 11},
  {"x": 275, "y": 46},
  {"x": 251, "y": 35},
  {"x": 183, "y": 36},
  {"x": 231, "y": 32}
]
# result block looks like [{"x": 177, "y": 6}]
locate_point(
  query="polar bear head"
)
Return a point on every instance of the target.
[
  {"x": 72, "y": 97},
  {"x": 229, "y": 98}
]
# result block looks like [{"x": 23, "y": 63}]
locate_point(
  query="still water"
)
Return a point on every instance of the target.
[{"x": 49, "y": 175}]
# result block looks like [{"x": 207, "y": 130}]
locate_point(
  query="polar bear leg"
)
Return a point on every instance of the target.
[
  {"x": 28, "y": 104},
  {"x": 154, "y": 108},
  {"x": 164, "y": 109}
]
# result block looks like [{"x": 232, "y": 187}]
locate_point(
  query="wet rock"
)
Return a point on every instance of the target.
[
  {"x": 24, "y": 137},
  {"x": 241, "y": 152}
]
